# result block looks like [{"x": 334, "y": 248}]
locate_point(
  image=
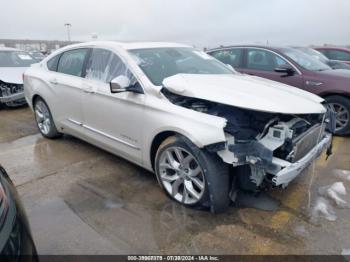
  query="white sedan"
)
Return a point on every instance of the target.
[{"x": 204, "y": 129}]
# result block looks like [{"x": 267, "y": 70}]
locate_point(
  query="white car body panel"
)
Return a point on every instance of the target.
[{"x": 246, "y": 92}]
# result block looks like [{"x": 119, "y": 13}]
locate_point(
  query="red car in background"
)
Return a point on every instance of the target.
[
  {"x": 293, "y": 67},
  {"x": 336, "y": 53}
]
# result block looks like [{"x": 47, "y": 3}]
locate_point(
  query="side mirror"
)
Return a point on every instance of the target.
[
  {"x": 286, "y": 70},
  {"x": 119, "y": 84},
  {"x": 123, "y": 84}
]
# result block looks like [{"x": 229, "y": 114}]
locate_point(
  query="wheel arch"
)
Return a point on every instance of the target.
[
  {"x": 328, "y": 94},
  {"x": 157, "y": 141},
  {"x": 34, "y": 98}
]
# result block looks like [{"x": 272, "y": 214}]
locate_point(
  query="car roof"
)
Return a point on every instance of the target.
[
  {"x": 130, "y": 45},
  {"x": 2, "y": 48},
  {"x": 272, "y": 48},
  {"x": 333, "y": 48}
]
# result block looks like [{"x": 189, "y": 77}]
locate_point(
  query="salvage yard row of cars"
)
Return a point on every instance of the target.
[{"x": 205, "y": 129}]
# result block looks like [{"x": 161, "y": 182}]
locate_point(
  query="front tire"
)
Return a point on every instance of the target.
[
  {"x": 192, "y": 176},
  {"x": 44, "y": 120},
  {"x": 340, "y": 105}
]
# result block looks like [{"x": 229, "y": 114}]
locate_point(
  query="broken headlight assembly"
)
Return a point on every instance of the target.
[
  {"x": 274, "y": 148},
  {"x": 11, "y": 94}
]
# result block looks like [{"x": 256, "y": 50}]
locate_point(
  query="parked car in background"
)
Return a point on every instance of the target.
[
  {"x": 295, "y": 68},
  {"x": 13, "y": 63},
  {"x": 182, "y": 114},
  {"x": 318, "y": 55},
  {"x": 37, "y": 55},
  {"x": 336, "y": 53},
  {"x": 15, "y": 235}
]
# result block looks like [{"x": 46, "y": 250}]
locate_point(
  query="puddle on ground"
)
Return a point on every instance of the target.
[
  {"x": 300, "y": 230},
  {"x": 343, "y": 174},
  {"x": 330, "y": 197},
  {"x": 334, "y": 193},
  {"x": 322, "y": 209}
]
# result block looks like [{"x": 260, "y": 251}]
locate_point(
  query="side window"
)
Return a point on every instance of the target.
[
  {"x": 53, "y": 62},
  {"x": 96, "y": 68},
  {"x": 323, "y": 51},
  {"x": 279, "y": 61},
  {"x": 263, "y": 60},
  {"x": 231, "y": 57},
  {"x": 116, "y": 68},
  {"x": 338, "y": 55},
  {"x": 72, "y": 62}
]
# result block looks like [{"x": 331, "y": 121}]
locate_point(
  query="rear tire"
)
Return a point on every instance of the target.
[
  {"x": 44, "y": 120},
  {"x": 341, "y": 105},
  {"x": 192, "y": 176}
]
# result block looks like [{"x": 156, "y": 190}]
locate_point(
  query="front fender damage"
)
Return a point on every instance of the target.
[{"x": 276, "y": 147}]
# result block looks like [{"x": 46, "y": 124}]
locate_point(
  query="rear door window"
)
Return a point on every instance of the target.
[{"x": 72, "y": 62}]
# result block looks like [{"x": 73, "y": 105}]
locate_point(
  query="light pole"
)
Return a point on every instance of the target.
[{"x": 68, "y": 26}]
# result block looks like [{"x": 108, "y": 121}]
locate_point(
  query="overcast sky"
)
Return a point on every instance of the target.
[{"x": 199, "y": 22}]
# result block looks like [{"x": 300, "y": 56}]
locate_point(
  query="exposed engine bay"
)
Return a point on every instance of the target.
[
  {"x": 266, "y": 142},
  {"x": 11, "y": 94}
]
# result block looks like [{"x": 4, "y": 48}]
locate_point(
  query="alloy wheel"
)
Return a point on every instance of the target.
[
  {"x": 342, "y": 115},
  {"x": 43, "y": 118},
  {"x": 181, "y": 175}
]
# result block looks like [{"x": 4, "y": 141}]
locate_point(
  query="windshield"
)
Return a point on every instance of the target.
[
  {"x": 37, "y": 55},
  {"x": 15, "y": 59},
  {"x": 160, "y": 63},
  {"x": 304, "y": 60}
]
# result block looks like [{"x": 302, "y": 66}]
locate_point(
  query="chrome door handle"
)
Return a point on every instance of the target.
[
  {"x": 54, "y": 82},
  {"x": 313, "y": 83},
  {"x": 89, "y": 91}
]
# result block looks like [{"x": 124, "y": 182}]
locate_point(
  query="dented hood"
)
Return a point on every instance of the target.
[{"x": 245, "y": 91}]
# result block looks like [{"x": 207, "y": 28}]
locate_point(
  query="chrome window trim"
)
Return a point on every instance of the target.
[{"x": 260, "y": 48}]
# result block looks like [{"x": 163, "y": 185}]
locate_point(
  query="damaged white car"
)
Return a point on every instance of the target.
[
  {"x": 13, "y": 63},
  {"x": 204, "y": 129}
]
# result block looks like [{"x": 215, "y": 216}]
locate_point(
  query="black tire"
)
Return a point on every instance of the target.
[
  {"x": 53, "y": 132},
  {"x": 345, "y": 102},
  {"x": 215, "y": 171}
]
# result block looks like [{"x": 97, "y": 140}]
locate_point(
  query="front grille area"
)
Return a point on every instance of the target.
[
  {"x": 305, "y": 142},
  {"x": 10, "y": 89}
]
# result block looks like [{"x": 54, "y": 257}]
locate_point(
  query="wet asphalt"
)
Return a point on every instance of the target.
[{"x": 83, "y": 200}]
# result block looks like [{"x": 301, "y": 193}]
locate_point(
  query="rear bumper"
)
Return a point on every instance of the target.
[
  {"x": 12, "y": 97},
  {"x": 289, "y": 171}
]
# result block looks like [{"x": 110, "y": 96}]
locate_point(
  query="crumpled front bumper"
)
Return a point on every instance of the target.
[
  {"x": 12, "y": 97},
  {"x": 289, "y": 171}
]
